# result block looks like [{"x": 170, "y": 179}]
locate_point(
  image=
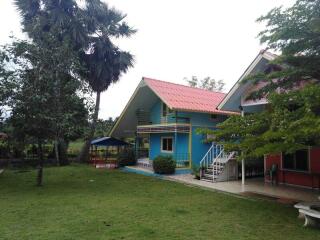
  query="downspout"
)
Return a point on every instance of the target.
[{"x": 175, "y": 137}]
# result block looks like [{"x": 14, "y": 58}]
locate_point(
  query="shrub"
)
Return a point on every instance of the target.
[
  {"x": 196, "y": 171},
  {"x": 164, "y": 165},
  {"x": 126, "y": 158}
]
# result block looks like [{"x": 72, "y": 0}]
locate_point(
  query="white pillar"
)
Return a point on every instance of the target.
[
  {"x": 243, "y": 165},
  {"x": 243, "y": 171}
]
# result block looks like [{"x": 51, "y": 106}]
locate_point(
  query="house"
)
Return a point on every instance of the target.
[
  {"x": 163, "y": 118},
  {"x": 301, "y": 168}
]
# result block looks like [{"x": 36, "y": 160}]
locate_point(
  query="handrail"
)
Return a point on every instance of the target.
[
  {"x": 209, "y": 157},
  {"x": 215, "y": 157}
]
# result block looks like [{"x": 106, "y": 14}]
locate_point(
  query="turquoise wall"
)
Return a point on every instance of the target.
[
  {"x": 180, "y": 151},
  {"x": 197, "y": 120},
  {"x": 155, "y": 113},
  {"x": 199, "y": 147}
]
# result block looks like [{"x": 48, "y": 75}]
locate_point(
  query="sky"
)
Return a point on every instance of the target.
[{"x": 176, "y": 39}]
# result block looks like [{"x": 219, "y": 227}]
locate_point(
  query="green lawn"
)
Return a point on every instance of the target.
[{"x": 80, "y": 202}]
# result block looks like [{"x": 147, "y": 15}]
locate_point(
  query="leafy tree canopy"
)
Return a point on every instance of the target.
[
  {"x": 207, "y": 83},
  {"x": 291, "y": 120},
  {"x": 295, "y": 33}
]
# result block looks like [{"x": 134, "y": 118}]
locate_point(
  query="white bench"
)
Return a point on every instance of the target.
[
  {"x": 306, "y": 206},
  {"x": 312, "y": 217}
]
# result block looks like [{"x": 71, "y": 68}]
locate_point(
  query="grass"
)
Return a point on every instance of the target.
[
  {"x": 80, "y": 202},
  {"x": 75, "y": 146}
]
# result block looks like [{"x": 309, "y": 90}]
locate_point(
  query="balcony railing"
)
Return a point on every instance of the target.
[
  {"x": 142, "y": 153},
  {"x": 182, "y": 160},
  {"x": 159, "y": 128}
]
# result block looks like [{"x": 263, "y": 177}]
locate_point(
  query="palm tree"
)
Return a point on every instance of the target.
[{"x": 104, "y": 62}]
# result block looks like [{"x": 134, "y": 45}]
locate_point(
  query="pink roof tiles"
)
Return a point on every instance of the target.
[{"x": 180, "y": 97}]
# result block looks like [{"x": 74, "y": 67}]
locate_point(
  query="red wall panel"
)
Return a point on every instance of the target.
[{"x": 305, "y": 179}]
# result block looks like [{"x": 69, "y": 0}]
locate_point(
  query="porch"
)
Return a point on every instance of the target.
[
  {"x": 182, "y": 161},
  {"x": 167, "y": 139},
  {"x": 254, "y": 187}
]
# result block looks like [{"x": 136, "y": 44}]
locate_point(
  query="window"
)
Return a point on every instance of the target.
[
  {"x": 166, "y": 144},
  {"x": 298, "y": 161},
  {"x": 165, "y": 110}
]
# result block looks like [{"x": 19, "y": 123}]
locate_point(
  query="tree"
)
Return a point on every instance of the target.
[
  {"x": 291, "y": 122},
  {"x": 104, "y": 60},
  {"x": 295, "y": 33},
  {"x": 44, "y": 101},
  {"x": 104, "y": 127},
  {"x": 206, "y": 83},
  {"x": 57, "y": 25},
  {"x": 89, "y": 30}
]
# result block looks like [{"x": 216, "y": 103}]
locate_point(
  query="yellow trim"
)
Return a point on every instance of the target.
[{"x": 190, "y": 145}]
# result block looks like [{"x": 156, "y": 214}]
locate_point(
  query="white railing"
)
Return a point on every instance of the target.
[
  {"x": 216, "y": 157},
  {"x": 220, "y": 161},
  {"x": 209, "y": 157}
]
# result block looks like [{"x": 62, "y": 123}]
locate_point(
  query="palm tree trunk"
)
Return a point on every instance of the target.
[
  {"x": 40, "y": 166},
  {"x": 84, "y": 154}
]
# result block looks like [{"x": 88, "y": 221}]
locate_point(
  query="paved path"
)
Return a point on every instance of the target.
[
  {"x": 256, "y": 185},
  {"x": 253, "y": 186}
]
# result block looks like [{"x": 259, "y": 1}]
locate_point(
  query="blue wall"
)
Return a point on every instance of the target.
[
  {"x": 199, "y": 147},
  {"x": 197, "y": 120},
  {"x": 155, "y": 113},
  {"x": 181, "y": 149}
]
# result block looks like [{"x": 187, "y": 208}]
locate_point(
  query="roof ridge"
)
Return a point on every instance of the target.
[{"x": 182, "y": 85}]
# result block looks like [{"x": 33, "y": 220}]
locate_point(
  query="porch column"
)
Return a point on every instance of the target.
[
  {"x": 243, "y": 164},
  {"x": 243, "y": 171},
  {"x": 175, "y": 153}
]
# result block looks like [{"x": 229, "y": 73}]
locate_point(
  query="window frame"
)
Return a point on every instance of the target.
[
  {"x": 161, "y": 145},
  {"x": 295, "y": 164}
]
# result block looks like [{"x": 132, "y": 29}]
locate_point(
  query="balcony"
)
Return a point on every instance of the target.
[{"x": 164, "y": 128}]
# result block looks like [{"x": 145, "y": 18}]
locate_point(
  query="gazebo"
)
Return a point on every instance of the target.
[{"x": 104, "y": 152}]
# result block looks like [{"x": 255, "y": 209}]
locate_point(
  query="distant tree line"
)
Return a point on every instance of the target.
[{"x": 207, "y": 83}]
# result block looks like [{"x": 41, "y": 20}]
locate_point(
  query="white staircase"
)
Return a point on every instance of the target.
[{"x": 218, "y": 165}]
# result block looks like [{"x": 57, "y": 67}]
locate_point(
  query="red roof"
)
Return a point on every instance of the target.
[{"x": 180, "y": 97}]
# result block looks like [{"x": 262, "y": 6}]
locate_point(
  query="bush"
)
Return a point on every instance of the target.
[
  {"x": 196, "y": 171},
  {"x": 164, "y": 165},
  {"x": 126, "y": 158}
]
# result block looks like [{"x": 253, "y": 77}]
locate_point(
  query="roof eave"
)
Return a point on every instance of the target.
[{"x": 262, "y": 54}]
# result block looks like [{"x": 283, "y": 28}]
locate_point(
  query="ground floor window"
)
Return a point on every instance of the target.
[
  {"x": 298, "y": 161},
  {"x": 166, "y": 144}
]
